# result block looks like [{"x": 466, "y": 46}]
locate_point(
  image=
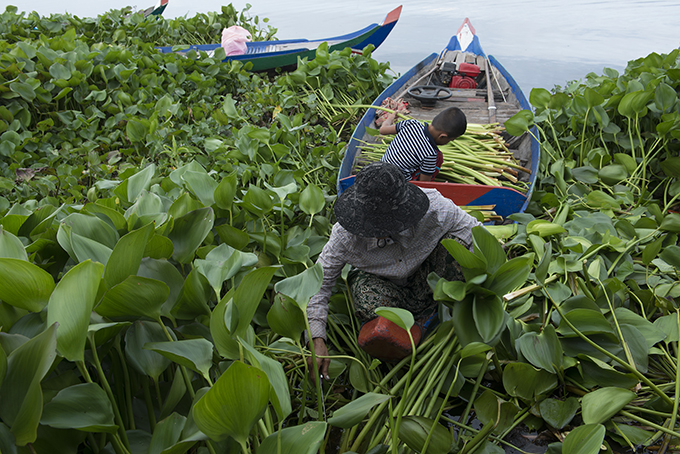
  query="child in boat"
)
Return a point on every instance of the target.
[{"x": 414, "y": 148}]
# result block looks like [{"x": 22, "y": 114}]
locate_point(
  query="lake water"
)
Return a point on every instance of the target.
[{"x": 542, "y": 43}]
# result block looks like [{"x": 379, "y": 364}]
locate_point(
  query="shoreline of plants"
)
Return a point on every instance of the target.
[{"x": 159, "y": 221}]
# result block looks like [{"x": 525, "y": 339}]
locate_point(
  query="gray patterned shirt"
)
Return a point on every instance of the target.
[{"x": 401, "y": 256}]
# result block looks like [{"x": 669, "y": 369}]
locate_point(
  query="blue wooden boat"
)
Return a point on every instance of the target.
[
  {"x": 266, "y": 55},
  {"x": 484, "y": 90}
]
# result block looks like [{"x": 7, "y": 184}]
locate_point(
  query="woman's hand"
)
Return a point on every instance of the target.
[{"x": 320, "y": 349}]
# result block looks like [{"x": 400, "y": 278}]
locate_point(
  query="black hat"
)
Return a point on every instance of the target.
[{"x": 380, "y": 202}]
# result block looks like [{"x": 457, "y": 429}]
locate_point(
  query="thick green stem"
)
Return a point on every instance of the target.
[
  {"x": 468, "y": 408},
  {"x": 151, "y": 415},
  {"x": 109, "y": 393}
]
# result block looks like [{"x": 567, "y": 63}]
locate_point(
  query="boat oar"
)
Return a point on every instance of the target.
[{"x": 489, "y": 92}]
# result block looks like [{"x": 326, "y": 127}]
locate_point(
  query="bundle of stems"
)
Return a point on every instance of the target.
[{"x": 480, "y": 156}]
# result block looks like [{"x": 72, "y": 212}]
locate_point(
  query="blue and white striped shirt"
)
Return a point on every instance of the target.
[{"x": 412, "y": 149}]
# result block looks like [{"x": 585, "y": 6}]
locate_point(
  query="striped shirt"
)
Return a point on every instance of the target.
[
  {"x": 401, "y": 256},
  {"x": 412, "y": 149}
]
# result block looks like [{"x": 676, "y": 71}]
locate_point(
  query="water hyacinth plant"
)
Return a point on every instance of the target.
[{"x": 159, "y": 222}]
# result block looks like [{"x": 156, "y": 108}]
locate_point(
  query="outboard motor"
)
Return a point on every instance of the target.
[{"x": 465, "y": 76}]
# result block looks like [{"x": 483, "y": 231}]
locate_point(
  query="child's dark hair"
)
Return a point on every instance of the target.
[{"x": 450, "y": 121}]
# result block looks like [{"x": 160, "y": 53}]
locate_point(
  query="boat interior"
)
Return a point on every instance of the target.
[{"x": 489, "y": 99}]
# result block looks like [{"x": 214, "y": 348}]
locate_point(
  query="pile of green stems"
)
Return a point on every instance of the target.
[{"x": 480, "y": 156}]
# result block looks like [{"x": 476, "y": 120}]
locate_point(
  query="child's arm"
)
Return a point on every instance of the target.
[{"x": 388, "y": 126}]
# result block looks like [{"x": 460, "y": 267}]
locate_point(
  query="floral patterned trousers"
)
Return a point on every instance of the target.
[{"x": 370, "y": 292}]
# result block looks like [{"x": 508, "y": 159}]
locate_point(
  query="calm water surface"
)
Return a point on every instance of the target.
[{"x": 543, "y": 43}]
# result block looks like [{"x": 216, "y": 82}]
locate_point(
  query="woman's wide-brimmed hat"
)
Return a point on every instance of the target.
[{"x": 380, "y": 202}]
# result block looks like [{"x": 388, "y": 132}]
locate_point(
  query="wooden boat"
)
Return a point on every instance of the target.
[
  {"x": 155, "y": 10},
  {"x": 266, "y": 55},
  {"x": 496, "y": 98}
]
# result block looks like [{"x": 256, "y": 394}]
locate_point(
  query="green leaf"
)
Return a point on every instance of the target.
[
  {"x": 586, "y": 321},
  {"x": 193, "y": 299},
  {"x": 238, "y": 239},
  {"x": 490, "y": 409},
  {"x": 489, "y": 316},
  {"x": 602, "y": 404},
  {"x": 189, "y": 231},
  {"x": 519, "y": 123},
  {"x": 670, "y": 325},
  {"x": 234, "y": 404},
  {"x": 11, "y": 247},
  {"x": 301, "y": 287},
  {"x": 652, "y": 333},
  {"x": 127, "y": 255},
  {"x": 558, "y": 413},
  {"x": 354, "y": 412},
  {"x": 671, "y": 223},
  {"x": 285, "y": 317},
  {"x": 544, "y": 228},
  {"x": 102, "y": 332},
  {"x": 414, "y": 430},
  {"x": 585, "y": 439},
  {"x": 524, "y": 381},
  {"x": 490, "y": 248},
  {"x": 59, "y": 71},
  {"x": 201, "y": 185},
  {"x": 24, "y": 285},
  {"x": 280, "y": 392},
  {"x": 194, "y": 354},
  {"x": 223, "y": 263},
  {"x": 70, "y": 306},
  {"x": 300, "y": 439},
  {"x": 401, "y": 317},
  {"x": 463, "y": 256},
  {"x": 146, "y": 362},
  {"x": 312, "y": 200},
  {"x": 136, "y": 130},
  {"x": 542, "y": 350},
  {"x": 226, "y": 191},
  {"x": 84, "y": 407},
  {"x": 600, "y": 199},
  {"x": 671, "y": 255},
  {"x": 229, "y": 108},
  {"x": 248, "y": 295},
  {"x": 539, "y": 97},
  {"x": 139, "y": 182},
  {"x": 167, "y": 434},
  {"x": 511, "y": 275},
  {"x": 613, "y": 174},
  {"x": 257, "y": 201},
  {"x": 650, "y": 251},
  {"x": 665, "y": 97},
  {"x": 449, "y": 290},
  {"x": 134, "y": 297},
  {"x": 164, "y": 271},
  {"x": 20, "y": 392},
  {"x": 226, "y": 346},
  {"x": 24, "y": 90}
]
